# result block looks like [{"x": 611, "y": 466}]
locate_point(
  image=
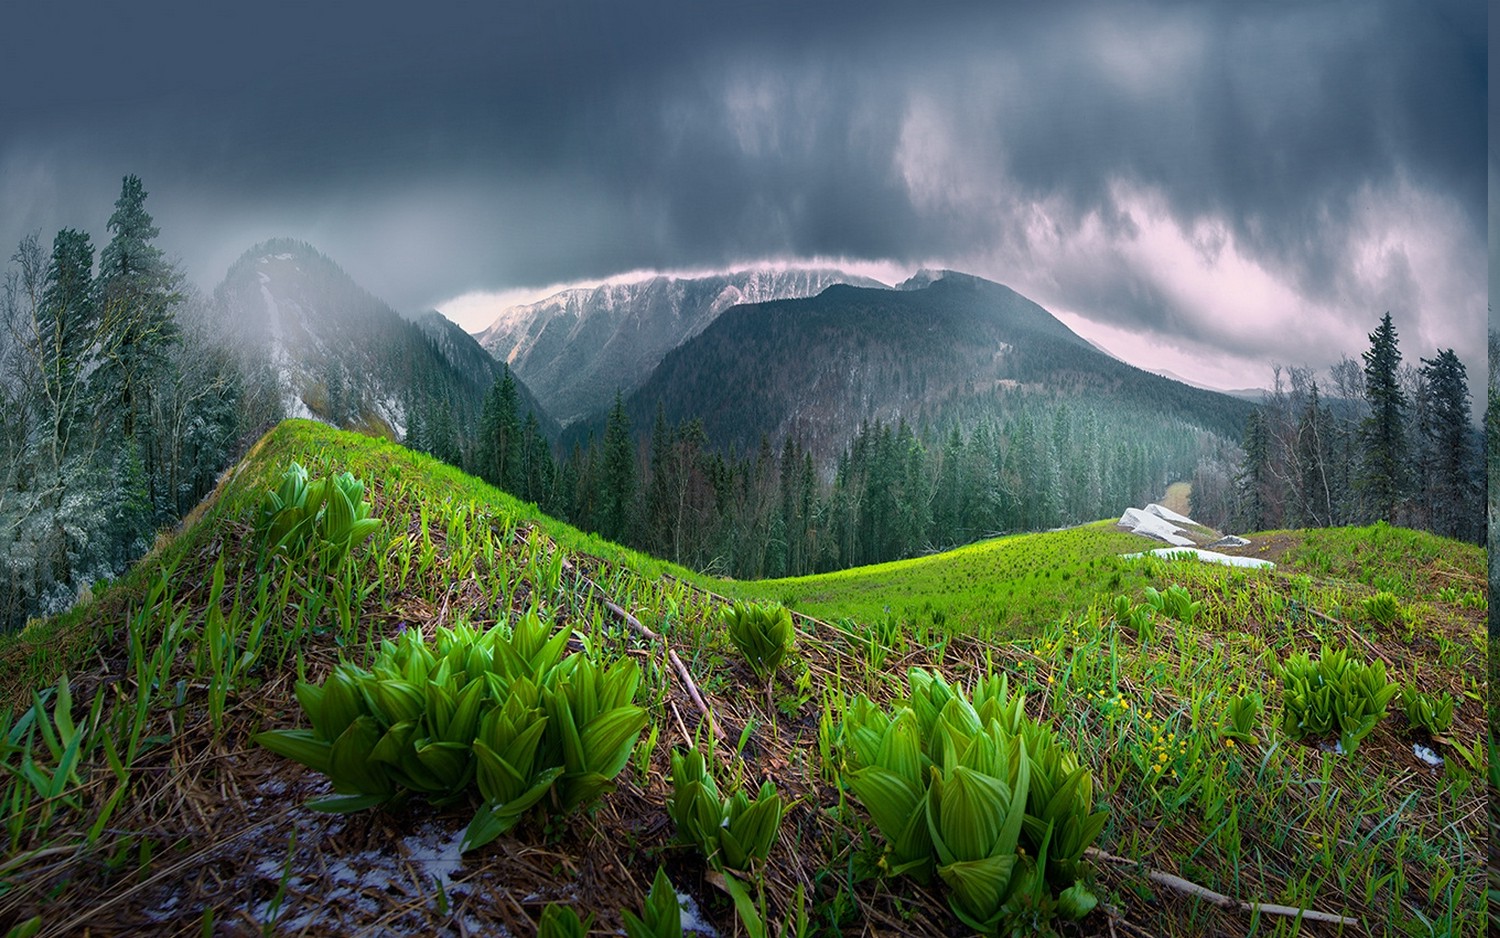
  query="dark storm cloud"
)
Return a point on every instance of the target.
[{"x": 434, "y": 151}]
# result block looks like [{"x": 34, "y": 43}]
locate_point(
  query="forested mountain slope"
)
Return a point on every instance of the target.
[
  {"x": 816, "y": 369},
  {"x": 345, "y": 357},
  {"x": 577, "y": 348}
]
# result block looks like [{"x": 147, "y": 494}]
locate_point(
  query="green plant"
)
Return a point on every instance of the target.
[
  {"x": 1336, "y": 693},
  {"x": 502, "y": 711},
  {"x": 958, "y": 787},
  {"x": 322, "y": 520},
  {"x": 1241, "y": 714},
  {"x": 1382, "y": 608},
  {"x": 733, "y": 833},
  {"x": 561, "y": 921},
  {"x": 1175, "y": 603},
  {"x": 763, "y": 634},
  {"x": 661, "y": 916},
  {"x": 1141, "y": 618},
  {"x": 1430, "y": 712}
]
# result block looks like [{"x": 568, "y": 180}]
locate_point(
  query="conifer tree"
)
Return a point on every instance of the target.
[
  {"x": 617, "y": 482},
  {"x": 67, "y": 334},
  {"x": 1255, "y": 511},
  {"x": 137, "y": 292},
  {"x": 1383, "y": 473},
  {"x": 1447, "y": 447},
  {"x": 500, "y": 435}
]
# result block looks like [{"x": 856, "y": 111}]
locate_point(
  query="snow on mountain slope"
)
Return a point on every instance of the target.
[{"x": 575, "y": 349}]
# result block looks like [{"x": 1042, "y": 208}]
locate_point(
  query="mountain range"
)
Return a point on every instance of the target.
[
  {"x": 943, "y": 345},
  {"x": 577, "y": 348}
]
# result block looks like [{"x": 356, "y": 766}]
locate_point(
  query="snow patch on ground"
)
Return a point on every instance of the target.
[
  {"x": 1152, "y": 525},
  {"x": 437, "y": 852},
  {"x": 691, "y": 918},
  {"x": 1167, "y": 514},
  {"x": 1229, "y": 540},
  {"x": 1207, "y": 556},
  {"x": 1426, "y": 755}
]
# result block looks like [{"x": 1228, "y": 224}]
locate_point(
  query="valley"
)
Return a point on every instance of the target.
[{"x": 174, "y": 671}]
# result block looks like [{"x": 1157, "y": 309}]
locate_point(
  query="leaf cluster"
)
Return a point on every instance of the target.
[
  {"x": 319, "y": 521},
  {"x": 977, "y": 792},
  {"x": 762, "y": 633},
  {"x": 1383, "y": 608},
  {"x": 661, "y": 916},
  {"x": 1430, "y": 712},
  {"x": 501, "y": 710},
  {"x": 1242, "y": 713},
  {"x": 1335, "y": 694},
  {"x": 733, "y": 832}
]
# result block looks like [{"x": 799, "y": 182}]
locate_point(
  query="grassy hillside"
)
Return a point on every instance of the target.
[{"x": 146, "y": 804}]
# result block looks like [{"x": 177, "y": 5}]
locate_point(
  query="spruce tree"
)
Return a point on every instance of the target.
[
  {"x": 1447, "y": 447},
  {"x": 67, "y": 324},
  {"x": 1255, "y": 512},
  {"x": 1383, "y": 472},
  {"x": 137, "y": 291},
  {"x": 617, "y": 482}
]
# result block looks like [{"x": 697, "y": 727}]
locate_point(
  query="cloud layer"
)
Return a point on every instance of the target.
[{"x": 1244, "y": 182}]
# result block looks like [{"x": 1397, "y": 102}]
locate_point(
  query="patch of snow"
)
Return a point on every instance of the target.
[
  {"x": 1151, "y": 525},
  {"x": 437, "y": 852},
  {"x": 1207, "y": 556},
  {"x": 1167, "y": 514},
  {"x": 691, "y": 918},
  {"x": 1426, "y": 755}
]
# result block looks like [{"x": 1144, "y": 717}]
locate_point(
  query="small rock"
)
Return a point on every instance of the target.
[{"x": 1229, "y": 540}]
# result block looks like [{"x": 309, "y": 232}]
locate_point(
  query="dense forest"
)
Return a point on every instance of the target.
[
  {"x": 1391, "y": 441},
  {"x": 1031, "y": 463}
]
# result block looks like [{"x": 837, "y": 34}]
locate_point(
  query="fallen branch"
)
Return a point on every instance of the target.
[
  {"x": 1181, "y": 885},
  {"x": 640, "y": 629}
]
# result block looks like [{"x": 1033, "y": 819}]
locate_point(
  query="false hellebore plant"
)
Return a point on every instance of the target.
[
  {"x": 503, "y": 711},
  {"x": 959, "y": 787}
]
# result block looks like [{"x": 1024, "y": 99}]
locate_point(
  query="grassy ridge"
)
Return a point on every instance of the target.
[{"x": 1375, "y": 835}]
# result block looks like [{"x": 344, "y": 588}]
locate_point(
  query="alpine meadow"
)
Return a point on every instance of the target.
[{"x": 847, "y": 470}]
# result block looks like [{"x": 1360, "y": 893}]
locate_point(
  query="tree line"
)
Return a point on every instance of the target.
[
  {"x": 896, "y": 491},
  {"x": 117, "y": 410},
  {"x": 1393, "y": 441}
]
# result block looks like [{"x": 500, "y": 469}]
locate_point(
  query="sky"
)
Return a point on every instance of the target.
[{"x": 1209, "y": 187}]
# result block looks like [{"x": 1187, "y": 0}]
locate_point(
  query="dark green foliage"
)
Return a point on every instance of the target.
[
  {"x": 617, "y": 486},
  {"x": 661, "y": 917},
  {"x": 1383, "y": 474},
  {"x": 1447, "y": 443},
  {"x": 763, "y": 634}
]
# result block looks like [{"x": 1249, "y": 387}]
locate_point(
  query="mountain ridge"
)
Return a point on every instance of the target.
[
  {"x": 576, "y": 348},
  {"x": 342, "y": 355},
  {"x": 817, "y": 368}
]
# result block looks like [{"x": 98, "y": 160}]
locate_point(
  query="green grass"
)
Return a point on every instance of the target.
[
  {"x": 117, "y": 804},
  {"x": 1005, "y": 587}
]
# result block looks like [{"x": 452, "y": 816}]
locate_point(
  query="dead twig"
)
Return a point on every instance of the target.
[
  {"x": 636, "y": 626},
  {"x": 1178, "y": 884}
]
